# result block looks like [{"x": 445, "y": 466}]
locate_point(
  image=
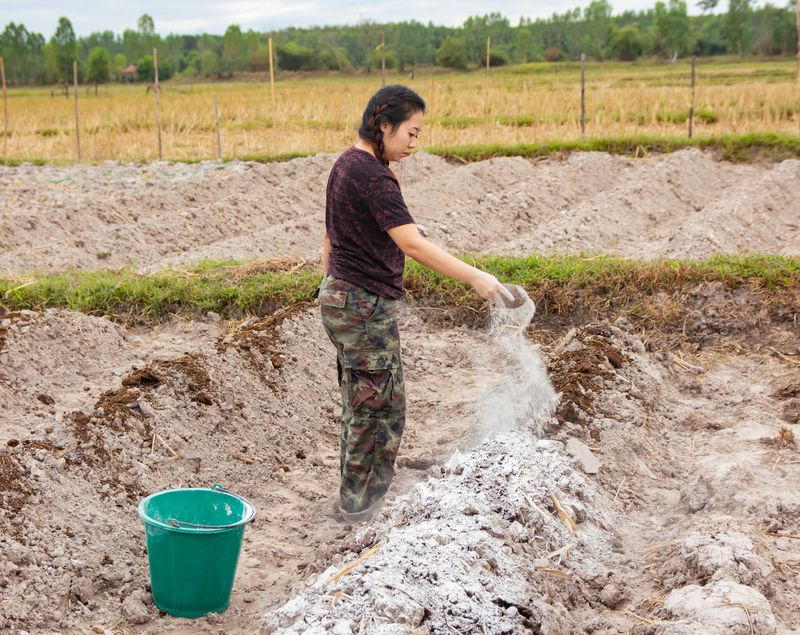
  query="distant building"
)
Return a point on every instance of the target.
[{"x": 128, "y": 74}]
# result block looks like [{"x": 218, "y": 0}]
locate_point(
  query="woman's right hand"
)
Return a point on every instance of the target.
[{"x": 489, "y": 287}]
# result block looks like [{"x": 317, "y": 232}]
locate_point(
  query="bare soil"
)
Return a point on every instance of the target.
[
  {"x": 658, "y": 496},
  {"x": 164, "y": 214}
]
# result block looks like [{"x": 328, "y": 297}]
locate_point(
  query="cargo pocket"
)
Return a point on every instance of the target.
[{"x": 375, "y": 387}]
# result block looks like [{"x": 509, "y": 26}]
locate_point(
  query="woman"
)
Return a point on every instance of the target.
[{"x": 369, "y": 231}]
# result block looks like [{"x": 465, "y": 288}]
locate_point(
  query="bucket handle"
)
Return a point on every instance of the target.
[{"x": 217, "y": 487}]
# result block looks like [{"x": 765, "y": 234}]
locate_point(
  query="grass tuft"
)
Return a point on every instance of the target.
[{"x": 235, "y": 288}]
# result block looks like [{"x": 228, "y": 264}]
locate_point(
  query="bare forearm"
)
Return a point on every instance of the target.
[
  {"x": 408, "y": 238},
  {"x": 437, "y": 259}
]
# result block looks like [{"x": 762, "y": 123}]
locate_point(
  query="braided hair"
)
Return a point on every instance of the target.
[{"x": 393, "y": 105}]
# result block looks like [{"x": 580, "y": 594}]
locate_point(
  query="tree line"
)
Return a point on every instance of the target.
[{"x": 664, "y": 31}]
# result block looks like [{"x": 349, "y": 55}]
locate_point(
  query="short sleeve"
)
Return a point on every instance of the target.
[{"x": 385, "y": 203}]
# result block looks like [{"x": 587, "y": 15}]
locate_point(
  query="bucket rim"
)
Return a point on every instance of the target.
[{"x": 249, "y": 512}]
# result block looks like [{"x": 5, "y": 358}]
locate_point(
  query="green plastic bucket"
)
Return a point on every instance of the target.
[{"x": 193, "y": 541}]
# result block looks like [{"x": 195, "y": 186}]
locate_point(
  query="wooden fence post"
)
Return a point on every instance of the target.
[
  {"x": 691, "y": 106},
  {"x": 158, "y": 100},
  {"x": 77, "y": 121},
  {"x": 583, "y": 93},
  {"x": 488, "y": 52},
  {"x": 216, "y": 117},
  {"x": 5, "y": 110},
  {"x": 271, "y": 78}
]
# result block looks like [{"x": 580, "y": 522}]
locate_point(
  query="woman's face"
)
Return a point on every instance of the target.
[{"x": 401, "y": 143}]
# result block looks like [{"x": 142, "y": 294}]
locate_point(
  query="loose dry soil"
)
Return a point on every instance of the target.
[
  {"x": 148, "y": 217},
  {"x": 657, "y": 494}
]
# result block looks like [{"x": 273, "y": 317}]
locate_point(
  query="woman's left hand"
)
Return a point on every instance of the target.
[{"x": 489, "y": 287}]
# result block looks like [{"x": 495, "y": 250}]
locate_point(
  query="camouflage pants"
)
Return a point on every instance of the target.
[{"x": 363, "y": 328}]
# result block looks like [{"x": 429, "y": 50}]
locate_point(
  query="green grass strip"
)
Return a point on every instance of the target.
[
  {"x": 731, "y": 147},
  {"x": 125, "y": 294},
  {"x": 738, "y": 148},
  {"x": 235, "y": 288}
]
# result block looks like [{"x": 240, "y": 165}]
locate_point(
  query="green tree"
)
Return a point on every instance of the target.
[
  {"x": 477, "y": 28},
  {"x": 627, "y": 43},
  {"x": 209, "y": 64},
  {"x": 142, "y": 41},
  {"x": 23, "y": 53},
  {"x": 711, "y": 37},
  {"x": 294, "y": 57},
  {"x": 736, "y": 23},
  {"x": 452, "y": 53},
  {"x": 99, "y": 66},
  {"x": 145, "y": 26},
  {"x": 258, "y": 60},
  {"x": 524, "y": 46},
  {"x": 234, "y": 53},
  {"x": 671, "y": 28},
  {"x": 51, "y": 63},
  {"x": 145, "y": 69},
  {"x": 415, "y": 43},
  {"x": 390, "y": 58},
  {"x": 335, "y": 59},
  {"x": 66, "y": 49},
  {"x": 561, "y": 35},
  {"x": 190, "y": 64},
  {"x": 498, "y": 56},
  {"x": 773, "y": 30},
  {"x": 598, "y": 27},
  {"x": 106, "y": 39},
  {"x": 120, "y": 62}
]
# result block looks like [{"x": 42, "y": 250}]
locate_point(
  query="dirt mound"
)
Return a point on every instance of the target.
[
  {"x": 662, "y": 460},
  {"x": 159, "y": 413},
  {"x": 148, "y": 217},
  {"x": 683, "y": 205},
  {"x": 115, "y": 215},
  {"x": 488, "y": 545},
  {"x": 481, "y": 548},
  {"x": 55, "y": 361}
]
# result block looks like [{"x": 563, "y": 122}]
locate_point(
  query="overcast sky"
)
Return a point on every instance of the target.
[{"x": 214, "y": 16}]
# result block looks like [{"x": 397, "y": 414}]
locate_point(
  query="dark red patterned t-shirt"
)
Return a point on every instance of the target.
[{"x": 363, "y": 202}]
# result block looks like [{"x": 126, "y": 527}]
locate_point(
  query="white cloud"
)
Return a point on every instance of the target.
[{"x": 250, "y": 12}]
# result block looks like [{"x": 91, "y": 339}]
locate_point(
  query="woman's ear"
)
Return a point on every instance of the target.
[{"x": 385, "y": 127}]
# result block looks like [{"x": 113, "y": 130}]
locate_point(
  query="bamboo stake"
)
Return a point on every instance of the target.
[
  {"x": 216, "y": 117},
  {"x": 691, "y": 107},
  {"x": 77, "y": 120},
  {"x": 158, "y": 99},
  {"x": 5, "y": 110},
  {"x": 583, "y": 93},
  {"x": 271, "y": 77},
  {"x": 383, "y": 60},
  {"x": 488, "y": 52}
]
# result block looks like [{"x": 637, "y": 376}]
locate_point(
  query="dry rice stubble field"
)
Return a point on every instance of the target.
[{"x": 519, "y": 104}]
